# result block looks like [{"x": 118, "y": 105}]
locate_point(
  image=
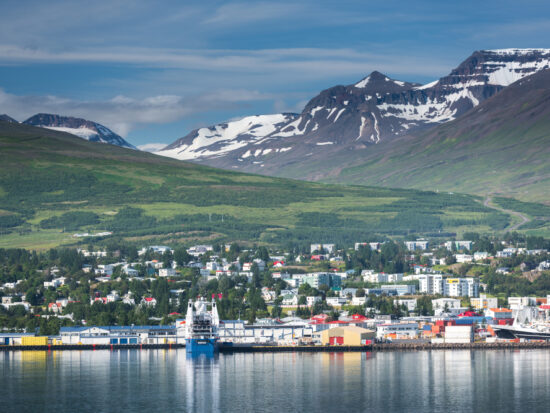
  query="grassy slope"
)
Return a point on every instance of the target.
[{"x": 48, "y": 174}]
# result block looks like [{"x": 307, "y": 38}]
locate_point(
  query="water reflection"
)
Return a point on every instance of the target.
[{"x": 167, "y": 380}]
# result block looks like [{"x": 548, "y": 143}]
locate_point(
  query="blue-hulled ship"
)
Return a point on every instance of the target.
[{"x": 201, "y": 327}]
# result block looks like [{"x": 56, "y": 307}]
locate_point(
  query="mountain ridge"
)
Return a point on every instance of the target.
[{"x": 83, "y": 128}]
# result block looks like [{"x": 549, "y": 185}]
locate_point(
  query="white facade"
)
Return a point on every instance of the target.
[
  {"x": 410, "y": 303},
  {"x": 459, "y": 334},
  {"x": 467, "y": 245},
  {"x": 464, "y": 258},
  {"x": 417, "y": 245},
  {"x": 401, "y": 330},
  {"x": 461, "y": 287},
  {"x": 442, "y": 303},
  {"x": 167, "y": 272},
  {"x": 431, "y": 284}
]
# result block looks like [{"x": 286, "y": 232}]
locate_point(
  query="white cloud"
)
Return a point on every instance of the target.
[
  {"x": 311, "y": 62},
  {"x": 152, "y": 147},
  {"x": 121, "y": 113}
]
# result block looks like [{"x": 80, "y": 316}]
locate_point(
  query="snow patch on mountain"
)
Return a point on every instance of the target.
[{"x": 226, "y": 137}]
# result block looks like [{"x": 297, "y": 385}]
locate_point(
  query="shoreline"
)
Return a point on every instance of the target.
[{"x": 293, "y": 349}]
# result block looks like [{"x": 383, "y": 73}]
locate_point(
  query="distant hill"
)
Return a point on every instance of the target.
[
  {"x": 85, "y": 129},
  {"x": 55, "y": 184}
]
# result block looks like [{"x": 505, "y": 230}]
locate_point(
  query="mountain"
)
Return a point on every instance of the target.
[
  {"x": 344, "y": 120},
  {"x": 55, "y": 184},
  {"x": 501, "y": 146},
  {"x": 226, "y": 137},
  {"x": 6, "y": 118},
  {"x": 82, "y": 128}
]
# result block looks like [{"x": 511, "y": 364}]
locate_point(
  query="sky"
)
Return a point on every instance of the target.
[{"x": 152, "y": 71}]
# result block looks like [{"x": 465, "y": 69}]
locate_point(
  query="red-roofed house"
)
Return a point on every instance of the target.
[{"x": 149, "y": 301}]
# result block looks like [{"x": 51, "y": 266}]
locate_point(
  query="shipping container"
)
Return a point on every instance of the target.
[{"x": 34, "y": 341}]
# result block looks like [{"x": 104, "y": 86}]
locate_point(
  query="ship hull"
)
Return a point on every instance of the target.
[
  {"x": 525, "y": 333},
  {"x": 201, "y": 345}
]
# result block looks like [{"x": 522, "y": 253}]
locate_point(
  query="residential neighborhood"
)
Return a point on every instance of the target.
[{"x": 388, "y": 286}]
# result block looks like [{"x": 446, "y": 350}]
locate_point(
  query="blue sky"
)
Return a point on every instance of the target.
[{"x": 153, "y": 71}]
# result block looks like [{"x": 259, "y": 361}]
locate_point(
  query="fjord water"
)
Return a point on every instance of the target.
[{"x": 168, "y": 381}]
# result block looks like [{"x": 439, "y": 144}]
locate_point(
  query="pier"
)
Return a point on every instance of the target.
[{"x": 292, "y": 349}]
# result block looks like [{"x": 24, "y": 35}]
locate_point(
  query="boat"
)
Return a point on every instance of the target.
[
  {"x": 201, "y": 325},
  {"x": 535, "y": 331}
]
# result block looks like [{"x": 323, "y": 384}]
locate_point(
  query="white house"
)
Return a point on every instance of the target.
[
  {"x": 463, "y": 258},
  {"x": 410, "y": 304},
  {"x": 336, "y": 301},
  {"x": 167, "y": 272},
  {"x": 311, "y": 300},
  {"x": 149, "y": 301},
  {"x": 56, "y": 282}
]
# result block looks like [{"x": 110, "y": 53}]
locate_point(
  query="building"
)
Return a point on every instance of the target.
[
  {"x": 418, "y": 245},
  {"x": 56, "y": 282},
  {"x": 397, "y": 331},
  {"x": 311, "y": 300},
  {"x": 463, "y": 258},
  {"x": 459, "y": 334},
  {"x": 120, "y": 335},
  {"x": 374, "y": 277},
  {"x": 517, "y": 303},
  {"x": 105, "y": 270},
  {"x": 461, "y": 287},
  {"x": 199, "y": 250},
  {"x": 236, "y": 331},
  {"x": 431, "y": 284},
  {"x": 401, "y": 289},
  {"x": 336, "y": 301},
  {"x": 328, "y": 248},
  {"x": 410, "y": 304},
  {"x": 499, "y": 313},
  {"x": 130, "y": 272},
  {"x": 158, "y": 249},
  {"x": 347, "y": 336},
  {"x": 445, "y": 303},
  {"x": 317, "y": 279},
  {"x": 459, "y": 245},
  {"x": 480, "y": 256},
  {"x": 167, "y": 272},
  {"x": 483, "y": 302}
]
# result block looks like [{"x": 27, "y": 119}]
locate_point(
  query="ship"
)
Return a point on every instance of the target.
[
  {"x": 536, "y": 331},
  {"x": 201, "y": 327}
]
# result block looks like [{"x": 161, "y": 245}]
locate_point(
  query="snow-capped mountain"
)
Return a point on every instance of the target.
[
  {"x": 226, "y": 137},
  {"x": 82, "y": 128},
  {"x": 343, "y": 118}
]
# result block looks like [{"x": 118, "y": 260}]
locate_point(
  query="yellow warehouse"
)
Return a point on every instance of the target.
[{"x": 347, "y": 336}]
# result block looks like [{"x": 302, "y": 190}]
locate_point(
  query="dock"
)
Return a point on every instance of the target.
[{"x": 295, "y": 349}]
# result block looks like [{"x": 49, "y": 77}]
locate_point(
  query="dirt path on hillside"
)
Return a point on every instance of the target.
[{"x": 524, "y": 218}]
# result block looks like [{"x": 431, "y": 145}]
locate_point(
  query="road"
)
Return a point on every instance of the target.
[{"x": 524, "y": 218}]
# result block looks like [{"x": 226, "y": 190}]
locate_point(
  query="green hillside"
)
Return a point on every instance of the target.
[
  {"x": 501, "y": 147},
  {"x": 54, "y": 185}
]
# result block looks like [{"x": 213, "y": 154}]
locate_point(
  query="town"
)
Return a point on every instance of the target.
[{"x": 454, "y": 291}]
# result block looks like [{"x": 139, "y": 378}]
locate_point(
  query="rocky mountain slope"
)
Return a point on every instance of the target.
[
  {"x": 6, "y": 118},
  {"x": 345, "y": 119},
  {"x": 82, "y": 128},
  {"x": 502, "y": 146}
]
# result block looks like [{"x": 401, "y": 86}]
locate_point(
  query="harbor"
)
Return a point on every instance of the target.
[{"x": 409, "y": 346}]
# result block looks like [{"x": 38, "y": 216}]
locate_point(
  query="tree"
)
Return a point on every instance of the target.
[{"x": 181, "y": 256}]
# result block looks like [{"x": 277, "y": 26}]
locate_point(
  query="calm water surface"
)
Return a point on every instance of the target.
[{"x": 167, "y": 381}]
